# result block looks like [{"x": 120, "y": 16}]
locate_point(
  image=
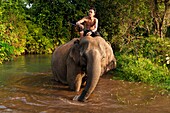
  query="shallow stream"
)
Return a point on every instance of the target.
[{"x": 26, "y": 86}]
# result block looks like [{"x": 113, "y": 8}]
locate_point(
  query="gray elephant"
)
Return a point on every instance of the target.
[{"x": 89, "y": 57}]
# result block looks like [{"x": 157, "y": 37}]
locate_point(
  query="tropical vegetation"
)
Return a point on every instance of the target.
[{"x": 139, "y": 31}]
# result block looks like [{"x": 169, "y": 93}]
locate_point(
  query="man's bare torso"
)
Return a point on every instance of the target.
[{"x": 89, "y": 24}]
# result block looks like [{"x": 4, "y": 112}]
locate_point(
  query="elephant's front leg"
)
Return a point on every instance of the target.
[
  {"x": 74, "y": 76},
  {"x": 75, "y": 81},
  {"x": 78, "y": 81}
]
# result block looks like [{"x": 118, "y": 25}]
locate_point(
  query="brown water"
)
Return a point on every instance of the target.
[{"x": 26, "y": 86}]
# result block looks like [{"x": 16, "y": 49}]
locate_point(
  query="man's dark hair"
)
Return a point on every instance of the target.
[{"x": 93, "y": 8}]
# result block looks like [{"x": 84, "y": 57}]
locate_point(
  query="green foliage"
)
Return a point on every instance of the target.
[
  {"x": 18, "y": 34},
  {"x": 37, "y": 43},
  {"x": 141, "y": 70},
  {"x": 6, "y": 51},
  {"x": 54, "y": 17},
  {"x": 144, "y": 60},
  {"x": 135, "y": 69},
  {"x": 12, "y": 31},
  {"x": 154, "y": 48},
  {"x": 124, "y": 18}
]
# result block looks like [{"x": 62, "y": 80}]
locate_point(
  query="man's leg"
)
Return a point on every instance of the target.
[
  {"x": 81, "y": 34},
  {"x": 95, "y": 34}
]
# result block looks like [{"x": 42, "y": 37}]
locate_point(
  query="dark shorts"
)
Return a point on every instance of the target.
[
  {"x": 86, "y": 31},
  {"x": 93, "y": 33}
]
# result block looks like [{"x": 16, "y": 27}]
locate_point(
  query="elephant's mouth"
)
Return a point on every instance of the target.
[{"x": 83, "y": 68}]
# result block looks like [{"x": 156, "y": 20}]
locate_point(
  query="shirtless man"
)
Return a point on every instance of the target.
[{"x": 88, "y": 25}]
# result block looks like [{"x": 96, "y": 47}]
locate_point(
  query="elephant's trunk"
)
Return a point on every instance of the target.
[{"x": 93, "y": 73}]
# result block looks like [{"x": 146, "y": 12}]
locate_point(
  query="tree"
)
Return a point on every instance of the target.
[
  {"x": 55, "y": 16},
  {"x": 160, "y": 9}
]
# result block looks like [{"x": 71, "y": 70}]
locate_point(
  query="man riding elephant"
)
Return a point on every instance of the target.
[
  {"x": 88, "y": 25},
  {"x": 87, "y": 57}
]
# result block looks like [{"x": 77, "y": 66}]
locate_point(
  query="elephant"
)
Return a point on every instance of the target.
[{"x": 82, "y": 59}]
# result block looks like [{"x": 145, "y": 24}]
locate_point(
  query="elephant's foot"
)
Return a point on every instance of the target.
[
  {"x": 82, "y": 97},
  {"x": 76, "y": 97},
  {"x": 55, "y": 78}
]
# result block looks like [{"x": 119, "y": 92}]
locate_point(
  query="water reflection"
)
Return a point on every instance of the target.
[
  {"x": 26, "y": 86},
  {"x": 24, "y": 65}
]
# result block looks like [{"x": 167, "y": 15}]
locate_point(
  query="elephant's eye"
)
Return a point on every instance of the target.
[{"x": 111, "y": 63}]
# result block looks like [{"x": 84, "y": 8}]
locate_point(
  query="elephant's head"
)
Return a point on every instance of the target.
[
  {"x": 92, "y": 56},
  {"x": 93, "y": 51}
]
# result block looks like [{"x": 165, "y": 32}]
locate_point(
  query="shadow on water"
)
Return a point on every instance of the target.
[{"x": 26, "y": 86}]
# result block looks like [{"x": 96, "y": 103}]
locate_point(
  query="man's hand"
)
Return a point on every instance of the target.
[
  {"x": 81, "y": 26},
  {"x": 89, "y": 33}
]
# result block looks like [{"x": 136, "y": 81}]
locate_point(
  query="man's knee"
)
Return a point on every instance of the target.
[
  {"x": 81, "y": 32},
  {"x": 79, "y": 29}
]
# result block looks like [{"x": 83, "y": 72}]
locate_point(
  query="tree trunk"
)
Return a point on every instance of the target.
[
  {"x": 158, "y": 18},
  {"x": 168, "y": 32},
  {"x": 167, "y": 18}
]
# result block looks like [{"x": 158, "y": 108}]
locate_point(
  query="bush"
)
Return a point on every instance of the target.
[
  {"x": 18, "y": 34},
  {"x": 143, "y": 60},
  {"x": 37, "y": 43},
  {"x": 6, "y": 52},
  {"x": 13, "y": 31},
  {"x": 12, "y": 42},
  {"x": 141, "y": 69},
  {"x": 153, "y": 48},
  {"x": 135, "y": 69}
]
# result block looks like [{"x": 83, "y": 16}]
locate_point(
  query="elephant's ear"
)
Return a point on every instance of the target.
[
  {"x": 75, "y": 52},
  {"x": 102, "y": 49},
  {"x": 72, "y": 54}
]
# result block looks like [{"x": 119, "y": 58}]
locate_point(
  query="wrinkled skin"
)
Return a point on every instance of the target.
[{"x": 89, "y": 57}]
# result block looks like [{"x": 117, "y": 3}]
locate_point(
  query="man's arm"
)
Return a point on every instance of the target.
[
  {"x": 79, "y": 23},
  {"x": 95, "y": 26}
]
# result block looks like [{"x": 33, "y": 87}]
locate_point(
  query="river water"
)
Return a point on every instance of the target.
[{"x": 27, "y": 86}]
